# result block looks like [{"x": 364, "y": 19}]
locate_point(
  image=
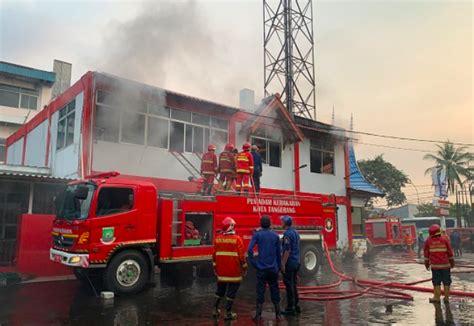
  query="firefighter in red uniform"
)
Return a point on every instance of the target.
[
  {"x": 439, "y": 255},
  {"x": 244, "y": 169},
  {"x": 226, "y": 168},
  {"x": 229, "y": 266},
  {"x": 208, "y": 169}
]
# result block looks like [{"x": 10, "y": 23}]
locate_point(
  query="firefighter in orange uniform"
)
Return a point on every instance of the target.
[
  {"x": 229, "y": 266},
  {"x": 439, "y": 255},
  {"x": 226, "y": 168},
  {"x": 244, "y": 169},
  {"x": 208, "y": 169}
]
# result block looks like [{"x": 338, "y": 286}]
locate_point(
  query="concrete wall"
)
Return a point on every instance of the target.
[
  {"x": 15, "y": 152},
  {"x": 35, "y": 153},
  {"x": 65, "y": 162},
  {"x": 323, "y": 183}
]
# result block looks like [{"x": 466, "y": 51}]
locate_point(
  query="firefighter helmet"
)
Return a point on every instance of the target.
[
  {"x": 211, "y": 147},
  {"x": 434, "y": 230},
  {"x": 246, "y": 146},
  {"x": 287, "y": 220},
  {"x": 228, "y": 224},
  {"x": 229, "y": 147}
]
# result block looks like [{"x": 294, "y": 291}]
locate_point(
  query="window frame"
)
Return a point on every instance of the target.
[
  {"x": 3, "y": 144},
  {"x": 213, "y": 123},
  {"x": 110, "y": 187},
  {"x": 267, "y": 141},
  {"x": 69, "y": 112},
  {"x": 322, "y": 149},
  {"x": 21, "y": 92}
]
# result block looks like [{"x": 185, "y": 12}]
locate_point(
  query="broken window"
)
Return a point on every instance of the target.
[
  {"x": 322, "y": 156},
  {"x": 269, "y": 150}
]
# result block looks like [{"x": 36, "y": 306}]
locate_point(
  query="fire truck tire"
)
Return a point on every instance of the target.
[
  {"x": 127, "y": 273},
  {"x": 310, "y": 258}
]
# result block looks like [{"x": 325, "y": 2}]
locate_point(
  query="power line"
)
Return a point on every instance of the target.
[
  {"x": 334, "y": 128},
  {"x": 402, "y": 148}
]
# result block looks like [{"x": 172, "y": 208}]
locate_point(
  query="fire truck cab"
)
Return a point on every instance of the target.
[{"x": 121, "y": 228}]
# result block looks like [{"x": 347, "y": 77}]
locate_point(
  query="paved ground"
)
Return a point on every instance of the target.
[{"x": 187, "y": 300}]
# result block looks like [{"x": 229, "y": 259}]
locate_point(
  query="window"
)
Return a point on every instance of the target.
[
  {"x": 322, "y": 156},
  {"x": 268, "y": 147},
  {"x": 17, "y": 97},
  {"x": 65, "y": 135},
  {"x": 2, "y": 149},
  {"x": 152, "y": 124},
  {"x": 114, "y": 201}
]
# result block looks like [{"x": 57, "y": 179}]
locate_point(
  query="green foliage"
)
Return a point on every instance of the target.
[
  {"x": 386, "y": 177},
  {"x": 455, "y": 160},
  {"x": 425, "y": 209}
]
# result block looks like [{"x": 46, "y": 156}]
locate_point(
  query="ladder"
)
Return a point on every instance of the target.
[{"x": 192, "y": 170}]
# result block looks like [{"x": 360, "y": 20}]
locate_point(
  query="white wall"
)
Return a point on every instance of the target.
[
  {"x": 323, "y": 183},
  {"x": 65, "y": 162},
  {"x": 15, "y": 152},
  {"x": 35, "y": 153},
  {"x": 140, "y": 160}
]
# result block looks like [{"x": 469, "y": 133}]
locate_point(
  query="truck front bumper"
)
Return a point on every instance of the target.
[{"x": 69, "y": 259}]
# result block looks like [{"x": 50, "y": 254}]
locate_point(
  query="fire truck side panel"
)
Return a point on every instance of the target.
[{"x": 165, "y": 228}]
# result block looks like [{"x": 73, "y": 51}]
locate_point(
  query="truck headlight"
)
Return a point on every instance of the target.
[{"x": 75, "y": 260}]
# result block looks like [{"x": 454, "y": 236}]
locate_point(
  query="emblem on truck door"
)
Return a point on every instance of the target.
[{"x": 108, "y": 235}]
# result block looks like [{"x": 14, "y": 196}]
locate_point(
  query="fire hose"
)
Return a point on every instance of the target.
[{"x": 369, "y": 287}]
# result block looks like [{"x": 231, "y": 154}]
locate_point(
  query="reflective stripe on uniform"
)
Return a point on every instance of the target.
[
  {"x": 439, "y": 249},
  {"x": 243, "y": 171},
  {"x": 440, "y": 265},
  {"x": 243, "y": 159},
  {"x": 225, "y": 159},
  {"x": 229, "y": 279},
  {"x": 220, "y": 240},
  {"x": 227, "y": 253},
  {"x": 206, "y": 161},
  {"x": 226, "y": 171}
]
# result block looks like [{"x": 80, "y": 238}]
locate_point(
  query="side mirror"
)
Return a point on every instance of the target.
[{"x": 81, "y": 192}]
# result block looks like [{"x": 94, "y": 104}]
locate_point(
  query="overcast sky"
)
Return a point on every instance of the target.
[{"x": 401, "y": 67}]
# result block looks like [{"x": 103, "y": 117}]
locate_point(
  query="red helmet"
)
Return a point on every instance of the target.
[
  {"x": 211, "y": 147},
  {"x": 246, "y": 146},
  {"x": 228, "y": 224},
  {"x": 229, "y": 147},
  {"x": 434, "y": 230}
]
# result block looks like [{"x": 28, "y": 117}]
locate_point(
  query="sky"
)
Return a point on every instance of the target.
[{"x": 400, "y": 68}]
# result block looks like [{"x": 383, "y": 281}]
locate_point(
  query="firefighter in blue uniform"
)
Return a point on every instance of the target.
[{"x": 290, "y": 264}]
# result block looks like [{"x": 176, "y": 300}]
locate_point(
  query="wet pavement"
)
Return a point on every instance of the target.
[{"x": 185, "y": 300}]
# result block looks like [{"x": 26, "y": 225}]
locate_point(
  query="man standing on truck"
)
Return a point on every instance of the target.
[
  {"x": 244, "y": 169},
  {"x": 226, "y": 168},
  {"x": 208, "y": 169},
  {"x": 267, "y": 264},
  {"x": 290, "y": 264},
  {"x": 229, "y": 266},
  {"x": 258, "y": 168},
  {"x": 439, "y": 255}
]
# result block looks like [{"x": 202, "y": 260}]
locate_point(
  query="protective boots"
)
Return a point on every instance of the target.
[
  {"x": 217, "y": 312},
  {"x": 289, "y": 311},
  {"x": 258, "y": 314},
  {"x": 437, "y": 294},
  {"x": 229, "y": 315},
  {"x": 446, "y": 294}
]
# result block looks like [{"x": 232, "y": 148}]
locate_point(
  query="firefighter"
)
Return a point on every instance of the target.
[
  {"x": 226, "y": 168},
  {"x": 290, "y": 264},
  {"x": 244, "y": 169},
  {"x": 421, "y": 243},
  {"x": 229, "y": 266},
  {"x": 208, "y": 169},
  {"x": 258, "y": 168},
  {"x": 267, "y": 264},
  {"x": 439, "y": 255}
]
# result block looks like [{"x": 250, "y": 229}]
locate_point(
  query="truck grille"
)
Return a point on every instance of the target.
[{"x": 60, "y": 241}]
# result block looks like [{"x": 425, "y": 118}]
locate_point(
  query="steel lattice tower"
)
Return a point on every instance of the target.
[{"x": 289, "y": 54}]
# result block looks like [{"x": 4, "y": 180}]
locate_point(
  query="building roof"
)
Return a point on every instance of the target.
[
  {"x": 28, "y": 172},
  {"x": 27, "y": 72},
  {"x": 358, "y": 182}
]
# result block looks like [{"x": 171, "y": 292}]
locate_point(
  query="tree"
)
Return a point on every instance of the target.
[
  {"x": 455, "y": 160},
  {"x": 425, "y": 209},
  {"x": 386, "y": 177}
]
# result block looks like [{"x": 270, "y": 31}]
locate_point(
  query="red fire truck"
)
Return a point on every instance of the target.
[
  {"x": 389, "y": 231},
  {"x": 122, "y": 227}
]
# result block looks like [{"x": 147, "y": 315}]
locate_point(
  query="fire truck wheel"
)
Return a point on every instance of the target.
[
  {"x": 127, "y": 273},
  {"x": 310, "y": 260}
]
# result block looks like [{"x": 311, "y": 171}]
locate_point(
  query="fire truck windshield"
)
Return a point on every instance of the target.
[{"x": 75, "y": 202}]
